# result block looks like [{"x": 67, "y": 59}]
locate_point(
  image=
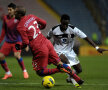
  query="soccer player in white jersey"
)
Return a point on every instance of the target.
[{"x": 64, "y": 37}]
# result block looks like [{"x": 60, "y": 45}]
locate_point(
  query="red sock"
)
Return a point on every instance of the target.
[
  {"x": 76, "y": 77},
  {"x": 4, "y": 65},
  {"x": 71, "y": 72},
  {"x": 21, "y": 63},
  {"x": 49, "y": 71}
]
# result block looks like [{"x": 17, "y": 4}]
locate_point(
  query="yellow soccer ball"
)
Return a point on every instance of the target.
[{"x": 48, "y": 82}]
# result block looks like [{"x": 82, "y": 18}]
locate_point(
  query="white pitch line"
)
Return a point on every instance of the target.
[{"x": 55, "y": 84}]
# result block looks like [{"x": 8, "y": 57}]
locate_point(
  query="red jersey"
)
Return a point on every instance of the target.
[
  {"x": 29, "y": 28},
  {"x": 9, "y": 30},
  {"x": 42, "y": 49}
]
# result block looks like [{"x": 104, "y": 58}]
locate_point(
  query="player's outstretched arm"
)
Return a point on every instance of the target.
[
  {"x": 41, "y": 23},
  {"x": 100, "y": 50},
  {"x": 49, "y": 35}
]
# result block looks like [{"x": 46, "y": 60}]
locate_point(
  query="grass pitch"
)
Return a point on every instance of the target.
[{"x": 95, "y": 75}]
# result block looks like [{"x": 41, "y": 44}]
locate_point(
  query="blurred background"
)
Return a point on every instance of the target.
[{"x": 91, "y": 16}]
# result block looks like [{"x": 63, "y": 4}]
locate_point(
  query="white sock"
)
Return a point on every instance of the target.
[
  {"x": 24, "y": 70},
  {"x": 69, "y": 65},
  {"x": 8, "y": 72},
  {"x": 73, "y": 81}
]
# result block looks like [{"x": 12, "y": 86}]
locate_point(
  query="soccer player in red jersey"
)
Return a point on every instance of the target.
[
  {"x": 12, "y": 37},
  {"x": 42, "y": 49}
]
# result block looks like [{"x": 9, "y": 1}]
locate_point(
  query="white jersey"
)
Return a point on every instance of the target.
[{"x": 64, "y": 41}]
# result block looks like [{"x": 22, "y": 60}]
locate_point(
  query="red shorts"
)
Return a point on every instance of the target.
[
  {"x": 8, "y": 47},
  {"x": 44, "y": 56}
]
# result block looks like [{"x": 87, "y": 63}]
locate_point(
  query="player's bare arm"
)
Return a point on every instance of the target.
[{"x": 100, "y": 50}]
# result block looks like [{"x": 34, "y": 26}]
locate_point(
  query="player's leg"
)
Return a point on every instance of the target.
[
  {"x": 46, "y": 71},
  {"x": 73, "y": 60},
  {"x": 68, "y": 70},
  {"x": 21, "y": 64},
  {"x": 65, "y": 60},
  {"x": 4, "y": 51},
  {"x": 40, "y": 62},
  {"x": 77, "y": 68},
  {"x": 17, "y": 55},
  {"x": 70, "y": 79}
]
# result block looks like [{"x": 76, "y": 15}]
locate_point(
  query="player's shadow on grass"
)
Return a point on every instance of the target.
[{"x": 61, "y": 85}]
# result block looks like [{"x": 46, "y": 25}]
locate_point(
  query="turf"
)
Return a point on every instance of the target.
[{"x": 95, "y": 74}]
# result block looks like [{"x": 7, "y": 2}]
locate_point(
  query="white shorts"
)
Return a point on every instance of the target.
[{"x": 71, "y": 56}]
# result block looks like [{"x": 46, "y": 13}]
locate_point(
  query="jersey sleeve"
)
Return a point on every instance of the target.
[
  {"x": 41, "y": 22},
  {"x": 2, "y": 31},
  {"x": 24, "y": 37},
  {"x": 79, "y": 33}
]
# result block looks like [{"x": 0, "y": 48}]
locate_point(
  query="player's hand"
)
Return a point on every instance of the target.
[
  {"x": 101, "y": 50},
  {"x": 27, "y": 48},
  {"x": 18, "y": 47}
]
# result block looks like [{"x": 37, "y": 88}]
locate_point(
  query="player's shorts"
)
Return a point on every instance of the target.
[
  {"x": 44, "y": 55},
  {"x": 71, "y": 56},
  {"x": 8, "y": 47}
]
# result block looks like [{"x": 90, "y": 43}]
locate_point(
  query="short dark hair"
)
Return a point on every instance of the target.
[
  {"x": 12, "y": 5},
  {"x": 65, "y": 17},
  {"x": 21, "y": 10}
]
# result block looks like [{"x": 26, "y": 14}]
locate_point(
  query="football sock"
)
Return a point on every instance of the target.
[
  {"x": 24, "y": 70},
  {"x": 66, "y": 67},
  {"x": 73, "y": 81},
  {"x": 49, "y": 71},
  {"x": 4, "y": 65},
  {"x": 72, "y": 74},
  {"x": 8, "y": 72},
  {"x": 21, "y": 63}
]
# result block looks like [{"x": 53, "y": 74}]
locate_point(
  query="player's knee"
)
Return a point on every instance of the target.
[
  {"x": 79, "y": 71},
  {"x": 2, "y": 56},
  {"x": 60, "y": 63}
]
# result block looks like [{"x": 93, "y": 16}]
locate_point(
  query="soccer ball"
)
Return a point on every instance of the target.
[{"x": 48, "y": 81}]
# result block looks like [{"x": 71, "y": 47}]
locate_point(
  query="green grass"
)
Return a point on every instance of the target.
[{"x": 95, "y": 74}]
